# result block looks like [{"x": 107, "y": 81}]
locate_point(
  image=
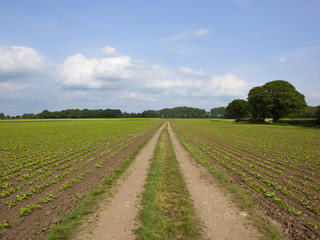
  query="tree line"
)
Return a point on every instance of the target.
[
  {"x": 177, "y": 112},
  {"x": 276, "y": 99}
]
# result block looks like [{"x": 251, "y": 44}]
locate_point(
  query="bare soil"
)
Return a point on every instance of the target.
[
  {"x": 36, "y": 225},
  {"x": 292, "y": 225},
  {"x": 220, "y": 216},
  {"x": 118, "y": 215}
]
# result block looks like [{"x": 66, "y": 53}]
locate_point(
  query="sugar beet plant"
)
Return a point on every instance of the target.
[
  {"x": 51, "y": 156},
  {"x": 281, "y": 163}
]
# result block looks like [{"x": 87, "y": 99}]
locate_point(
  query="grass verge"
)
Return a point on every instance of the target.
[
  {"x": 167, "y": 208},
  {"x": 86, "y": 205},
  {"x": 242, "y": 197}
]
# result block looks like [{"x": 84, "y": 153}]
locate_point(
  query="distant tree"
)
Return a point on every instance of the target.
[
  {"x": 150, "y": 114},
  {"x": 125, "y": 115},
  {"x": 276, "y": 98},
  {"x": 133, "y": 115},
  {"x": 62, "y": 114},
  {"x": 183, "y": 112},
  {"x": 218, "y": 112},
  {"x": 28, "y": 116},
  {"x": 310, "y": 112},
  {"x": 2, "y": 116},
  {"x": 239, "y": 108},
  {"x": 318, "y": 112},
  {"x": 44, "y": 114},
  {"x": 86, "y": 113}
]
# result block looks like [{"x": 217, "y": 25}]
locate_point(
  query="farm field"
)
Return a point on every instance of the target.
[
  {"x": 46, "y": 166},
  {"x": 280, "y": 165}
]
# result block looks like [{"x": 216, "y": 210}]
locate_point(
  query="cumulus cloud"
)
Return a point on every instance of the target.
[
  {"x": 228, "y": 84},
  {"x": 108, "y": 51},
  {"x": 132, "y": 81},
  {"x": 19, "y": 61},
  {"x": 201, "y": 32},
  {"x": 79, "y": 72},
  {"x": 113, "y": 68}
]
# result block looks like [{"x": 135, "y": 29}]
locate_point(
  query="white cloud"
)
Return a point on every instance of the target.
[
  {"x": 113, "y": 67},
  {"x": 79, "y": 72},
  {"x": 19, "y": 61},
  {"x": 132, "y": 82},
  {"x": 137, "y": 96},
  {"x": 9, "y": 87},
  {"x": 282, "y": 60},
  {"x": 191, "y": 72},
  {"x": 108, "y": 51},
  {"x": 134, "y": 79},
  {"x": 170, "y": 84},
  {"x": 228, "y": 84},
  {"x": 201, "y": 32}
]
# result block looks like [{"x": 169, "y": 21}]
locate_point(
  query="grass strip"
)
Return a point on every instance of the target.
[
  {"x": 167, "y": 208},
  {"x": 243, "y": 198},
  {"x": 86, "y": 205}
]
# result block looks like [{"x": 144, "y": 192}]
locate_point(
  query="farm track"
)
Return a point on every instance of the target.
[
  {"x": 220, "y": 218},
  {"x": 278, "y": 166},
  {"x": 118, "y": 215}
]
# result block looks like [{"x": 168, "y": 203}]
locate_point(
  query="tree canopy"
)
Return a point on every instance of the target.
[
  {"x": 177, "y": 112},
  {"x": 276, "y": 99},
  {"x": 183, "y": 112},
  {"x": 239, "y": 108}
]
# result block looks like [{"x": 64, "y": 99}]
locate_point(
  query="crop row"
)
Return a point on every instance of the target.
[
  {"x": 50, "y": 157},
  {"x": 266, "y": 159}
]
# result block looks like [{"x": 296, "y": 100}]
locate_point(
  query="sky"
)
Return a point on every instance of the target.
[{"x": 136, "y": 55}]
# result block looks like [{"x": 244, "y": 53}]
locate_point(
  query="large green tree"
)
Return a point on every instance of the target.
[
  {"x": 239, "y": 108},
  {"x": 276, "y": 98}
]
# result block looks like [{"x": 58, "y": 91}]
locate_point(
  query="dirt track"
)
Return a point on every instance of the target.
[
  {"x": 220, "y": 217},
  {"x": 117, "y": 219}
]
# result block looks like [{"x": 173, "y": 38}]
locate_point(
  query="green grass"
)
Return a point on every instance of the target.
[
  {"x": 167, "y": 209},
  {"x": 242, "y": 197},
  {"x": 71, "y": 220}
]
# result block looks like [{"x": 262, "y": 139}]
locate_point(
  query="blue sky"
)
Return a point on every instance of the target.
[{"x": 136, "y": 55}]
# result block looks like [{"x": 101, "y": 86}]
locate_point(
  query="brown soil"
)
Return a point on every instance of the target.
[
  {"x": 292, "y": 225},
  {"x": 118, "y": 215},
  {"x": 220, "y": 217},
  {"x": 36, "y": 225}
]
